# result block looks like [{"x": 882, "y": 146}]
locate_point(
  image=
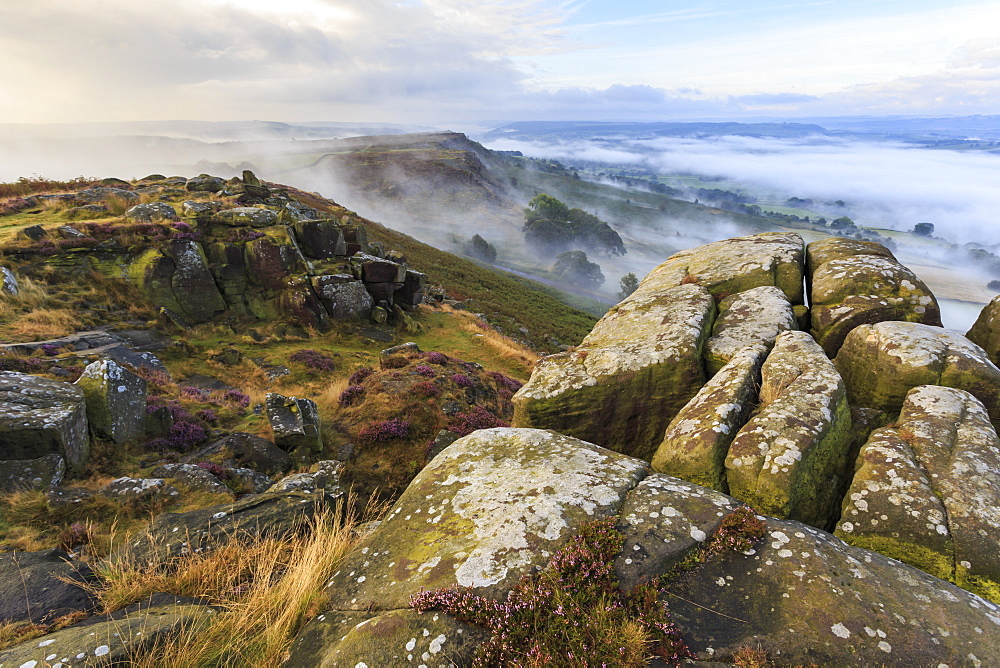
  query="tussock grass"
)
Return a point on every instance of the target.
[
  {"x": 504, "y": 347},
  {"x": 42, "y": 324}
]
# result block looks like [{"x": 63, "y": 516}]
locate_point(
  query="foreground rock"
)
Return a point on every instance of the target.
[
  {"x": 499, "y": 502},
  {"x": 755, "y": 316},
  {"x": 927, "y": 492},
  {"x": 859, "y": 282},
  {"x": 40, "y": 473},
  {"x": 985, "y": 331},
  {"x": 880, "y": 363},
  {"x": 295, "y": 423},
  {"x": 632, "y": 373},
  {"x": 116, "y": 401},
  {"x": 40, "y": 417},
  {"x": 791, "y": 458},
  {"x": 38, "y": 587}
]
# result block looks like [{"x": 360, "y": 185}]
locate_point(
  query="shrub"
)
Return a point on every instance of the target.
[
  {"x": 186, "y": 435},
  {"x": 236, "y": 398},
  {"x": 313, "y": 359},
  {"x": 461, "y": 380},
  {"x": 476, "y": 418},
  {"x": 218, "y": 470},
  {"x": 424, "y": 370},
  {"x": 505, "y": 381},
  {"x": 351, "y": 394},
  {"x": 360, "y": 375},
  {"x": 208, "y": 415},
  {"x": 393, "y": 362},
  {"x": 194, "y": 393},
  {"x": 384, "y": 430},
  {"x": 426, "y": 388},
  {"x": 436, "y": 358}
]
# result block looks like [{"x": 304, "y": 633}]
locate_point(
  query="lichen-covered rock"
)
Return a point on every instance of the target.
[
  {"x": 320, "y": 238},
  {"x": 191, "y": 476},
  {"x": 738, "y": 264},
  {"x": 880, "y": 363},
  {"x": 629, "y": 377},
  {"x": 861, "y": 284},
  {"x": 927, "y": 492},
  {"x": 753, "y": 316},
  {"x": 203, "y": 183},
  {"x": 151, "y": 212},
  {"x": 102, "y": 194},
  {"x": 697, "y": 440},
  {"x": 342, "y": 296},
  {"x": 8, "y": 282},
  {"x": 33, "y": 233},
  {"x": 200, "y": 211},
  {"x": 377, "y": 270},
  {"x": 18, "y": 474},
  {"x": 129, "y": 490},
  {"x": 115, "y": 639},
  {"x": 820, "y": 252},
  {"x": 985, "y": 332},
  {"x": 40, "y": 417},
  {"x": 790, "y": 460},
  {"x": 324, "y": 478},
  {"x": 37, "y": 587},
  {"x": 240, "y": 449},
  {"x": 246, "y": 216},
  {"x": 176, "y": 276},
  {"x": 116, "y": 401},
  {"x": 295, "y": 422}
]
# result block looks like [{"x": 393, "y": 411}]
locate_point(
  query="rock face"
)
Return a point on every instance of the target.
[
  {"x": 148, "y": 213},
  {"x": 697, "y": 440},
  {"x": 632, "y": 373},
  {"x": 499, "y": 502},
  {"x": 880, "y": 363},
  {"x": 37, "y": 587},
  {"x": 177, "y": 277},
  {"x": 859, "y": 282},
  {"x": 927, "y": 491},
  {"x": 40, "y": 417},
  {"x": 791, "y": 458},
  {"x": 985, "y": 331},
  {"x": 116, "y": 401},
  {"x": 295, "y": 422},
  {"x": 755, "y": 316},
  {"x": 17, "y": 474},
  {"x": 343, "y": 296}
]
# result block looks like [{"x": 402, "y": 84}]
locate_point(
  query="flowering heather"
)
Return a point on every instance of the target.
[
  {"x": 360, "y": 375},
  {"x": 461, "y": 380},
  {"x": 571, "y": 613},
  {"x": 383, "y": 430},
  {"x": 181, "y": 226},
  {"x": 154, "y": 378},
  {"x": 194, "y": 393},
  {"x": 351, "y": 394},
  {"x": 393, "y": 362},
  {"x": 208, "y": 415},
  {"x": 185, "y": 236},
  {"x": 505, "y": 395},
  {"x": 313, "y": 359},
  {"x": 236, "y": 398},
  {"x": 477, "y": 418},
  {"x": 50, "y": 349},
  {"x": 73, "y": 535},
  {"x": 76, "y": 242},
  {"x": 22, "y": 364},
  {"x": 424, "y": 370},
  {"x": 243, "y": 234},
  {"x": 738, "y": 532},
  {"x": 505, "y": 381},
  {"x": 14, "y": 205},
  {"x": 218, "y": 470},
  {"x": 184, "y": 436},
  {"x": 436, "y": 358},
  {"x": 426, "y": 388}
]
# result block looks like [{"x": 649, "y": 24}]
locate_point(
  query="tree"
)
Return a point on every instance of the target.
[
  {"x": 842, "y": 223},
  {"x": 481, "y": 249},
  {"x": 574, "y": 266},
  {"x": 924, "y": 229},
  {"x": 628, "y": 284},
  {"x": 546, "y": 206}
]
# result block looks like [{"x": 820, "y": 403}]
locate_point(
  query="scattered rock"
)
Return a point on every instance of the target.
[
  {"x": 193, "y": 477},
  {"x": 324, "y": 477},
  {"x": 40, "y": 473},
  {"x": 8, "y": 282},
  {"x": 116, "y": 401},
  {"x": 242, "y": 449},
  {"x": 37, "y": 587},
  {"x": 295, "y": 423},
  {"x": 200, "y": 211},
  {"x": 152, "y": 212},
  {"x": 40, "y": 417},
  {"x": 203, "y": 183},
  {"x": 34, "y": 233},
  {"x": 129, "y": 490},
  {"x": 403, "y": 348}
]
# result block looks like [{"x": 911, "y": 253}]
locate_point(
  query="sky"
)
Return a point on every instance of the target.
[{"x": 442, "y": 61}]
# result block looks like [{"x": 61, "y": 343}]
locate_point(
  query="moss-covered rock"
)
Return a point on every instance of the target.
[
  {"x": 754, "y": 316},
  {"x": 864, "y": 289},
  {"x": 927, "y": 491},
  {"x": 985, "y": 331},
  {"x": 880, "y": 363},
  {"x": 176, "y": 276},
  {"x": 790, "y": 460},
  {"x": 295, "y": 423},
  {"x": 320, "y": 238},
  {"x": 40, "y": 473},
  {"x": 342, "y": 296},
  {"x": 697, "y": 440},
  {"x": 116, "y": 401},
  {"x": 820, "y": 252},
  {"x": 639, "y": 366}
]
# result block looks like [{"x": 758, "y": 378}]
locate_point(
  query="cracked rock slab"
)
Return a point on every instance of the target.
[{"x": 755, "y": 316}]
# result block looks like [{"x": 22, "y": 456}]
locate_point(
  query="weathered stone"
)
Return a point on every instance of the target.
[
  {"x": 129, "y": 490},
  {"x": 985, "y": 332},
  {"x": 40, "y": 417},
  {"x": 343, "y": 296},
  {"x": 176, "y": 277},
  {"x": 37, "y": 587},
  {"x": 8, "y": 282},
  {"x": 629, "y": 377},
  {"x": 356, "y": 237},
  {"x": 324, "y": 478},
  {"x": 862, "y": 288},
  {"x": 791, "y": 459},
  {"x": 250, "y": 188},
  {"x": 115, "y": 639},
  {"x": 820, "y": 252},
  {"x": 148, "y": 213},
  {"x": 69, "y": 232},
  {"x": 753, "y": 316},
  {"x": 191, "y": 476},
  {"x": 383, "y": 293},
  {"x": 102, "y": 194},
  {"x": 200, "y": 211},
  {"x": 246, "y": 217},
  {"x": 320, "y": 238},
  {"x": 411, "y": 293},
  {"x": 18, "y": 474},
  {"x": 880, "y": 363},
  {"x": 734, "y": 265},
  {"x": 697, "y": 440},
  {"x": 402, "y": 349},
  {"x": 116, "y": 401},
  {"x": 927, "y": 492},
  {"x": 242, "y": 449},
  {"x": 203, "y": 183},
  {"x": 380, "y": 315},
  {"x": 85, "y": 212},
  {"x": 248, "y": 481},
  {"x": 377, "y": 270},
  {"x": 295, "y": 422},
  {"x": 34, "y": 233}
]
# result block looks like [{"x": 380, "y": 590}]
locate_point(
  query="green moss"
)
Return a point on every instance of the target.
[{"x": 937, "y": 564}]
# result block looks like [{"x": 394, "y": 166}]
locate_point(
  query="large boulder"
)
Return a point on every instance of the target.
[
  {"x": 241, "y": 449},
  {"x": 750, "y": 317},
  {"x": 880, "y": 363},
  {"x": 927, "y": 490},
  {"x": 697, "y": 440},
  {"x": 37, "y": 587},
  {"x": 203, "y": 183},
  {"x": 343, "y": 296},
  {"x": 295, "y": 423},
  {"x": 151, "y": 212},
  {"x": 855, "y": 283},
  {"x": 246, "y": 216},
  {"x": 176, "y": 276},
  {"x": 985, "y": 331},
  {"x": 40, "y": 473},
  {"x": 40, "y": 417},
  {"x": 116, "y": 401},
  {"x": 320, "y": 238},
  {"x": 734, "y": 265},
  {"x": 791, "y": 458},
  {"x": 629, "y": 377}
]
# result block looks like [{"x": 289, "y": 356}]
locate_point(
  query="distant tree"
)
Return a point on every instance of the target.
[
  {"x": 552, "y": 226},
  {"x": 481, "y": 249},
  {"x": 544, "y": 206},
  {"x": 574, "y": 266},
  {"x": 628, "y": 284},
  {"x": 842, "y": 223},
  {"x": 924, "y": 229},
  {"x": 547, "y": 234}
]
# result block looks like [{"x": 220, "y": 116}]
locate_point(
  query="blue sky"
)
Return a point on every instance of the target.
[{"x": 438, "y": 61}]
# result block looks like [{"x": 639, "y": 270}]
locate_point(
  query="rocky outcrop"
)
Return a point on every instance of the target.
[
  {"x": 40, "y": 473},
  {"x": 38, "y": 587},
  {"x": 628, "y": 378},
  {"x": 791, "y": 459},
  {"x": 152, "y": 212},
  {"x": 755, "y": 316},
  {"x": 880, "y": 363},
  {"x": 498, "y": 503},
  {"x": 205, "y": 183},
  {"x": 176, "y": 276},
  {"x": 985, "y": 331},
  {"x": 40, "y": 417},
  {"x": 240, "y": 449},
  {"x": 116, "y": 401},
  {"x": 927, "y": 491},
  {"x": 343, "y": 296},
  {"x": 856, "y": 282}
]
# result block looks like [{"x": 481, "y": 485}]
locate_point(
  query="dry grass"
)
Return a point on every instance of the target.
[
  {"x": 502, "y": 346},
  {"x": 43, "y": 324},
  {"x": 751, "y": 657}
]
